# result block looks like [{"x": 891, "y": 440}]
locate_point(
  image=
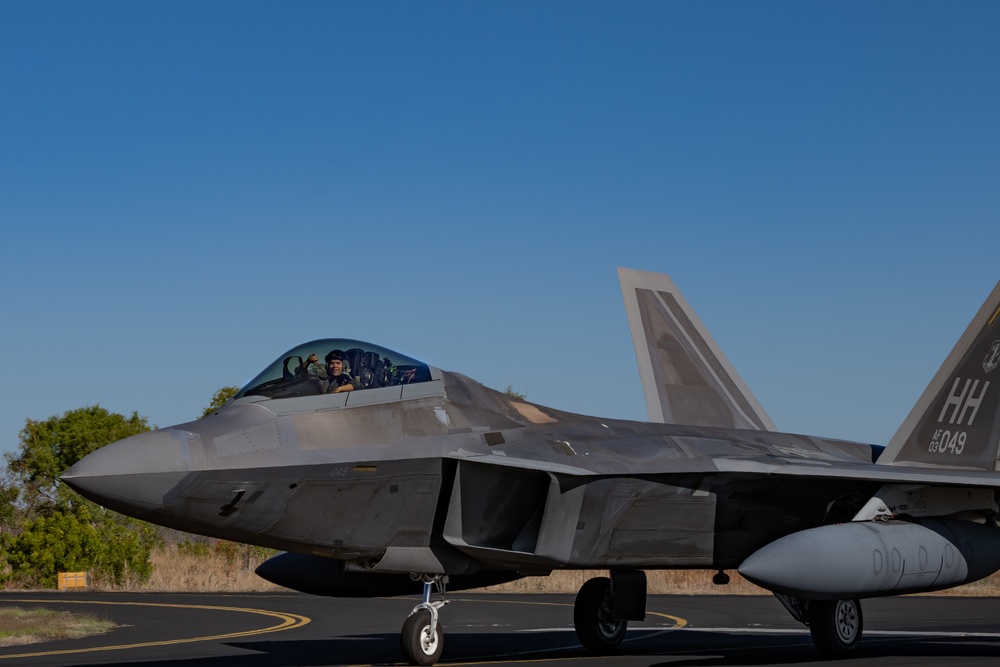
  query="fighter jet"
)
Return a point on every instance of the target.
[{"x": 378, "y": 474}]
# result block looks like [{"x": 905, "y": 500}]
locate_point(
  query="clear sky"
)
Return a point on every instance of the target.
[{"x": 188, "y": 189}]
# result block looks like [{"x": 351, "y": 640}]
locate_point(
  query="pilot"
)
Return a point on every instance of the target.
[
  {"x": 338, "y": 379},
  {"x": 311, "y": 368}
]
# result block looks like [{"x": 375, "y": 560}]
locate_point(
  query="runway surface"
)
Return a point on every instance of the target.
[{"x": 285, "y": 630}]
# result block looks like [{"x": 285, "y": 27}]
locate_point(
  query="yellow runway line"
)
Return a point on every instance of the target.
[{"x": 287, "y": 622}]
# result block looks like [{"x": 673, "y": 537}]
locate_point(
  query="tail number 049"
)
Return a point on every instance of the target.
[{"x": 947, "y": 442}]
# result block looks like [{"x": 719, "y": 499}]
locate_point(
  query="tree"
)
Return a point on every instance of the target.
[
  {"x": 113, "y": 548},
  {"x": 509, "y": 391},
  {"x": 46, "y": 527},
  {"x": 49, "y": 528},
  {"x": 219, "y": 399},
  {"x": 47, "y": 448}
]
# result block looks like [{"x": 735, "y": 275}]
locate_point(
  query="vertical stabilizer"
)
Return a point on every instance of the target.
[
  {"x": 956, "y": 422},
  {"x": 685, "y": 376}
]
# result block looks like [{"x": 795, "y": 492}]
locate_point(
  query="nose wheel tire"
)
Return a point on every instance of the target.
[
  {"x": 421, "y": 644},
  {"x": 835, "y": 626},
  {"x": 595, "y": 628}
]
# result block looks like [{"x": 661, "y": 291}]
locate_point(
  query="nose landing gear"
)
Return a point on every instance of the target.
[{"x": 422, "y": 639}]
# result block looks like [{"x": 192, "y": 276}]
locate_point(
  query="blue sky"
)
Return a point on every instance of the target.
[{"x": 188, "y": 189}]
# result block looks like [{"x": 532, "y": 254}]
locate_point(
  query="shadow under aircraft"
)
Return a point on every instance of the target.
[{"x": 380, "y": 475}]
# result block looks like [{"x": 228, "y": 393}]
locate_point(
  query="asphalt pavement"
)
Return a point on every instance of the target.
[{"x": 286, "y": 630}]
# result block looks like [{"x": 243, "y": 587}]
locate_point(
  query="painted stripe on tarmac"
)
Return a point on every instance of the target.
[{"x": 286, "y": 622}]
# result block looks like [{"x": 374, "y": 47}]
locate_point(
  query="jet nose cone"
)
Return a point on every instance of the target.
[{"x": 134, "y": 475}]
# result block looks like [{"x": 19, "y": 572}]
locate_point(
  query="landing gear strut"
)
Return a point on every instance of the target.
[{"x": 422, "y": 638}]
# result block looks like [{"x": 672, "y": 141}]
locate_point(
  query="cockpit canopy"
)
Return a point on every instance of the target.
[{"x": 306, "y": 370}]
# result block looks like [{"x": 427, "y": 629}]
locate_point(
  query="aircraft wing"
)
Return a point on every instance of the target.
[{"x": 631, "y": 459}]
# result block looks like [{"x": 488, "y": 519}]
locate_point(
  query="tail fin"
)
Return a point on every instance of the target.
[
  {"x": 685, "y": 375},
  {"x": 956, "y": 422}
]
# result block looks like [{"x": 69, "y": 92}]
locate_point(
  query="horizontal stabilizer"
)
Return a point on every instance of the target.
[{"x": 685, "y": 375}]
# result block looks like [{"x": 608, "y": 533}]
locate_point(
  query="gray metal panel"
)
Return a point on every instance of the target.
[
  {"x": 248, "y": 399},
  {"x": 559, "y": 522},
  {"x": 501, "y": 459},
  {"x": 291, "y": 406},
  {"x": 372, "y": 396},
  {"x": 254, "y": 438},
  {"x": 872, "y": 473},
  {"x": 422, "y": 389}
]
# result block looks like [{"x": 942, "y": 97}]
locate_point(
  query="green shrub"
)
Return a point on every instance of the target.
[{"x": 112, "y": 549}]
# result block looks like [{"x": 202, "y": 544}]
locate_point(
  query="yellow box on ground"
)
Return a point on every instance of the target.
[{"x": 72, "y": 580}]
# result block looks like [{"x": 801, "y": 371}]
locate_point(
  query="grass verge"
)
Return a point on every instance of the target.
[{"x": 29, "y": 626}]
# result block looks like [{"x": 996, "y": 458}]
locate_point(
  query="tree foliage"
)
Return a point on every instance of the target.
[
  {"x": 47, "y": 448},
  {"x": 113, "y": 548},
  {"x": 219, "y": 399},
  {"x": 509, "y": 391},
  {"x": 48, "y": 528}
]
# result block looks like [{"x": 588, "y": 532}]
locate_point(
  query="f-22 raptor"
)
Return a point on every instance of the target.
[{"x": 402, "y": 478}]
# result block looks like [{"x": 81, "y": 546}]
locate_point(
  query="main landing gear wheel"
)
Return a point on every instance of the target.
[
  {"x": 835, "y": 626},
  {"x": 422, "y": 644},
  {"x": 595, "y": 628},
  {"x": 422, "y": 639}
]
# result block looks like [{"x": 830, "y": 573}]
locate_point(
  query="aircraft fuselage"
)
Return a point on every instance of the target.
[
  {"x": 470, "y": 478},
  {"x": 366, "y": 466}
]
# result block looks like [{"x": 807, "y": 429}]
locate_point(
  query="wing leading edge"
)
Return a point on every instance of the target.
[{"x": 686, "y": 377}]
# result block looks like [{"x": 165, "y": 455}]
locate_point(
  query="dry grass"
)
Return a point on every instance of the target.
[
  {"x": 984, "y": 588},
  {"x": 175, "y": 569},
  {"x": 23, "y": 626}
]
